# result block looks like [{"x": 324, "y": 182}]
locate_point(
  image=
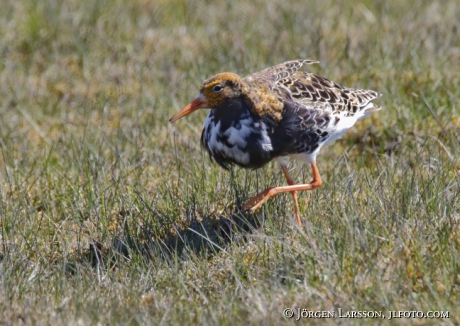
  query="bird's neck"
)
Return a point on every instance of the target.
[
  {"x": 262, "y": 101},
  {"x": 231, "y": 110}
]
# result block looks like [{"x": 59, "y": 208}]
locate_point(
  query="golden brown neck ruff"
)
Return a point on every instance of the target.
[{"x": 264, "y": 100}]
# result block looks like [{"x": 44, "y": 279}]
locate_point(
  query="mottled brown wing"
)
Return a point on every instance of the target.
[
  {"x": 273, "y": 75},
  {"x": 319, "y": 92}
]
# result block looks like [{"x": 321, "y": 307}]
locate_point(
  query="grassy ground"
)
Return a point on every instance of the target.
[{"x": 110, "y": 215}]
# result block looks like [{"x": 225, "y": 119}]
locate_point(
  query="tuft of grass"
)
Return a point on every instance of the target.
[{"x": 110, "y": 215}]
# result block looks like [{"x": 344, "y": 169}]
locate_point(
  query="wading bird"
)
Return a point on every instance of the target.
[{"x": 276, "y": 114}]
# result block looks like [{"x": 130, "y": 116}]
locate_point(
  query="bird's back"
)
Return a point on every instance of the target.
[
  {"x": 312, "y": 90},
  {"x": 316, "y": 111}
]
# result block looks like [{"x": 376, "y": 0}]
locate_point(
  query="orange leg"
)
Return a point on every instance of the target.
[
  {"x": 294, "y": 193},
  {"x": 292, "y": 188}
]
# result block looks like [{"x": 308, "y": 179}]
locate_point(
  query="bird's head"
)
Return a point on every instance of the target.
[{"x": 214, "y": 92}]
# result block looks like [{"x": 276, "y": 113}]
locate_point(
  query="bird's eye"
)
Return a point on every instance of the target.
[{"x": 217, "y": 88}]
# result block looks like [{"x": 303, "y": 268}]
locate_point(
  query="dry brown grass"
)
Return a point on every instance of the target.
[{"x": 111, "y": 215}]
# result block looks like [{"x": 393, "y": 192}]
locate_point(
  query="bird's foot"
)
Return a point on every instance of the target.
[
  {"x": 268, "y": 193},
  {"x": 260, "y": 199}
]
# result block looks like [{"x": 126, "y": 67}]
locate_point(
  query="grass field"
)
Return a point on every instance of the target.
[{"x": 111, "y": 215}]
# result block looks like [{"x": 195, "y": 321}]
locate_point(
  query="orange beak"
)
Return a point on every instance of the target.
[{"x": 193, "y": 106}]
